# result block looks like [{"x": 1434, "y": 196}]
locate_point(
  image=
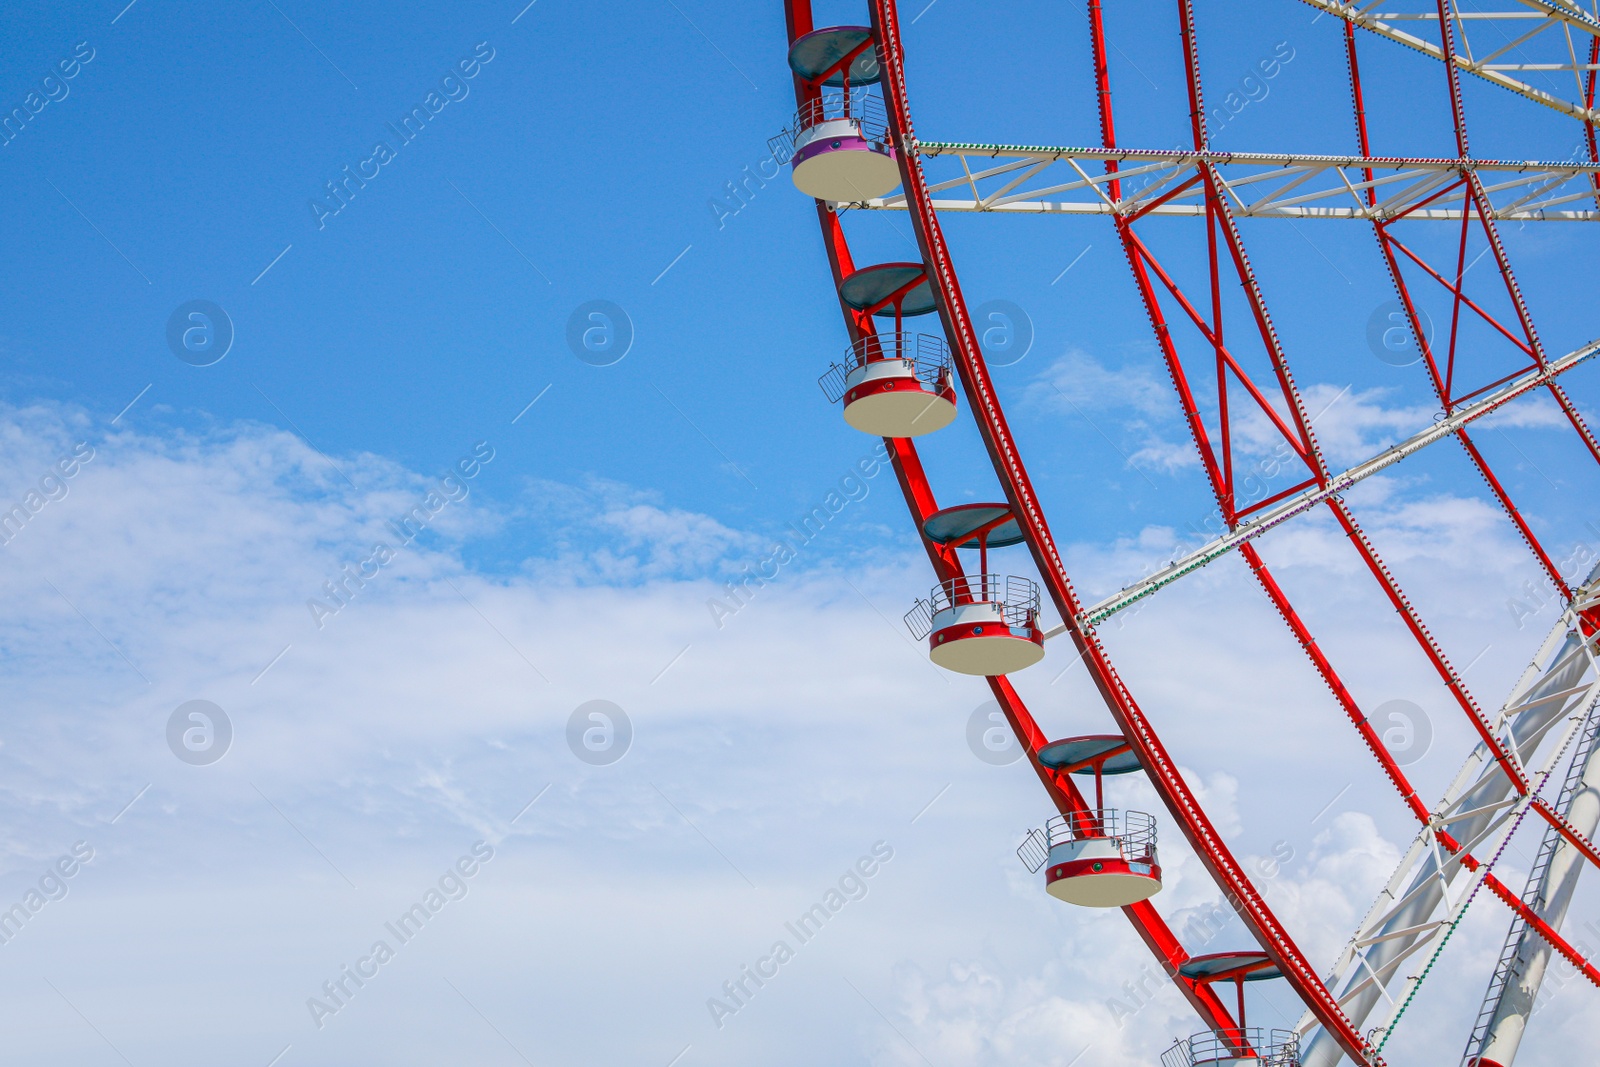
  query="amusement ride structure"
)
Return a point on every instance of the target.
[{"x": 1536, "y": 761}]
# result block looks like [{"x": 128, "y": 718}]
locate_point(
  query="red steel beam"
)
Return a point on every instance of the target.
[
  {"x": 1424, "y": 638},
  {"x": 1219, "y": 207},
  {"x": 1217, "y": 212},
  {"x": 1475, "y": 192},
  {"x": 1387, "y": 245},
  {"x": 1542, "y": 928},
  {"x": 1588, "y": 127},
  {"x": 1571, "y": 834},
  {"x": 1009, "y": 468},
  {"x": 920, "y": 501}
]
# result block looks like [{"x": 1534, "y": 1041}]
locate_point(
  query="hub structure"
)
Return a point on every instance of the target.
[{"x": 1535, "y": 766}]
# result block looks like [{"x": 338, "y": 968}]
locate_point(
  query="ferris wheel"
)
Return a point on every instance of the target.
[{"x": 1536, "y": 762}]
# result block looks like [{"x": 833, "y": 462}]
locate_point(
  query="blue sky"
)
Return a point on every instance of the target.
[
  {"x": 583, "y": 162},
  {"x": 433, "y": 308}
]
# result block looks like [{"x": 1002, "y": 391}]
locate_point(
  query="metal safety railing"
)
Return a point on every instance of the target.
[
  {"x": 1017, "y": 599},
  {"x": 928, "y": 352},
  {"x": 861, "y": 106},
  {"x": 1133, "y": 831},
  {"x": 1266, "y": 1048}
]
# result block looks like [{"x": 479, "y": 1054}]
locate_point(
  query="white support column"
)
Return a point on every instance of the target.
[
  {"x": 1424, "y": 896},
  {"x": 1559, "y": 881}
]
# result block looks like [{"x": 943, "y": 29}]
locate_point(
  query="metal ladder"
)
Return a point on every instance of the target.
[{"x": 1532, "y": 895}]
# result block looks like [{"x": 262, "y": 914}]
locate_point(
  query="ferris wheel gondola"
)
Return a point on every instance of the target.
[{"x": 1352, "y": 1011}]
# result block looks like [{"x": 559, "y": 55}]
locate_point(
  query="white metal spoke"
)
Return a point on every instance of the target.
[
  {"x": 1031, "y": 180},
  {"x": 1509, "y": 22},
  {"x": 1479, "y": 809},
  {"x": 1509, "y": 45},
  {"x": 1283, "y": 511}
]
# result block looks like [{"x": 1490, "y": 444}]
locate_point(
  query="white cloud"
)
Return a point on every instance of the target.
[
  {"x": 1130, "y": 403},
  {"x": 1080, "y": 379},
  {"x": 1353, "y": 425},
  {"x": 1536, "y": 412},
  {"x": 1134, "y": 403},
  {"x": 428, "y": 712}
]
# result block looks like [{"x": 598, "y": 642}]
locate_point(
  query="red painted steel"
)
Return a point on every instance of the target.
[
  {"x": 1220, "y": 475},
  {"x": 1570, "y": 833},
  {"x": 1218, "y": 463},
  {"x": 1170, "y": 786},
  {"x": 1443, "y": 390},
  {"x": 1302, "y": 438},
  {"x": 1476, "y": 200},
  {"x": 1219, "y": 212},
  {"x": 1588, "y": 102},
  {"x": 1539, "y": 926},
  {"x": 1064, "y": 794},
  {"x": 1443, "y": 387}
]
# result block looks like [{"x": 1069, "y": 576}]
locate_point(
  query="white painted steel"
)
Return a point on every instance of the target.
[
  {"x": 1422, "y": 903},
  {"x": 907, "y": 411},
  {"x": 1552, "y": 884},
  {"x": 1506, "y": 23},
  {"x": 1276, "y": 515},
  {"x": 996, "y": 651},
  {"x": 1070, "y": 181},
  {"x": 854, "y": 172}
]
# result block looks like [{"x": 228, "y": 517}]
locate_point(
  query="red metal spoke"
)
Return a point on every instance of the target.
[
  {"x": 1386, "y": 245},
  {"x": 1462, "y": 297},
  {"x": 1447, "y": 42},
  {"x": 1220, "y": 215},
  {"x": 1568, "y": 832},
  {"x": 1420, "y": 204},
  {"x": 1102, "y": 89},
  {"x": 1269, "y": 334},
  {"x": 1391, "y": 768},
  {"x": 1359, "y": 106},
  {"x": 1180, "y": 380},
  {"x": 1225, "y": 358},
  {"x": 1275, "y": 497},
  {"x": 1379, "y": 570},
  {"x": 1226, "y": 260},
  {"x": 1550, "y": 569},
  {"x": 1163, "y": 198},
  {"x": 1491, "y": 231},
  {"x": 1588, "y": 101},
  {"x": 1158, "y": 765},
  {"x": 1577, "y": 420},
  {"x": 921, "y": 503},
  {"x": 1424, "y": 637},
  {"x": 1335, "y": 684},
  {"x": 1540, "y": 927},
  {"x": 1444, "y": 389},
  {"x": 1519, "y": 372},
  {"x": 1455, "y": 310}
]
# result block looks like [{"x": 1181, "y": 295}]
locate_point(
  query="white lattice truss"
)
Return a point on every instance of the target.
[
  {"x": 1430, "y": 890},
  {"x": 1165, "y": 182},
  {"x": 1509, "y": 43},
  {"x": 1540, "y": 50},
  {"x": 1279, "y": 513}
]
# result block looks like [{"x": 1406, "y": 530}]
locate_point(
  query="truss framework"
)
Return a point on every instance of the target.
[
  {"x": 1461, "y": 191},
  {"x": 1254, "y": 527},
  {"x": 1021, "y": 179},
  {"x": 1501, "y": 41},
  {"x": 1519, "y": 975},
  {"x": 1421, "y": 905}
]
